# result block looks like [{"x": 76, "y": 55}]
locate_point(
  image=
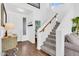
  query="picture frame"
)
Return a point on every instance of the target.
[
  {"x": 37, "y": 5},
  {"x": 3, "y": 15}
]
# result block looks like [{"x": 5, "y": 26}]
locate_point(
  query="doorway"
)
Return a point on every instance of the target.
[{"x": 37, "y": 26}]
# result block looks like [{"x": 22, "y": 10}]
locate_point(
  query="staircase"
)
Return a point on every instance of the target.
[{"x": 49, "y": 46}]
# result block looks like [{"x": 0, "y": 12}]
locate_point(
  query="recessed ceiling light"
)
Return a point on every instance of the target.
[{"x": 19, "y": 9}]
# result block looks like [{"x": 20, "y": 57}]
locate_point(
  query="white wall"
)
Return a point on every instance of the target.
[
  {"x": 46, "y": 12},
  {"x": 76, "y": 9}
]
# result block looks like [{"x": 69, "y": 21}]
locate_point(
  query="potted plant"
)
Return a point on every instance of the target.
[{"x": 75, "y": 25}]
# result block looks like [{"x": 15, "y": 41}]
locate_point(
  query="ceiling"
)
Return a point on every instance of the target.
[{"x": 15, "y": 6}]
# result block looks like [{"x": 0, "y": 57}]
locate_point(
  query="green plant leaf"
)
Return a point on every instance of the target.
[{"x": 75, "y": 21}]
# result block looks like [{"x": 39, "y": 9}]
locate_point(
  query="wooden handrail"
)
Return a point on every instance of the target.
[{"x": 48, "y": 23}]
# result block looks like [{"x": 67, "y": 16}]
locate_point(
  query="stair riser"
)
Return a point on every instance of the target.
[
  {"x": 51, "y": 36},
  {"x": 54, "y": 30},
  {"x": 52, "y": 33},
  {"x": 55, "y": 27},
  {"x": 51, "y": 39}
]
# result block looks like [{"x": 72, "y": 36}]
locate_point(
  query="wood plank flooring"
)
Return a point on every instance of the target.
[{"x": 26, "y": 48}]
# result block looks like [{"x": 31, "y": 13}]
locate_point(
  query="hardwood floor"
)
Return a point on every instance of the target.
[{"x": 26, "y": 48}]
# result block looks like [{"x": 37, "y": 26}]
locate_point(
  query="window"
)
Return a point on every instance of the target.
[
  {"x": 24, "y": 26},
  {"x": 56, "y": 5}
]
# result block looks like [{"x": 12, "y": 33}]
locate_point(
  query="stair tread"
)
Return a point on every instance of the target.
[
  {"x": 49, "y": 43},
  {"x": 48, "y": 50},
  {"x": 54, "y": 30},
  {"x": 54, "y": 42},
  {"x": 52, "y": 36}
]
